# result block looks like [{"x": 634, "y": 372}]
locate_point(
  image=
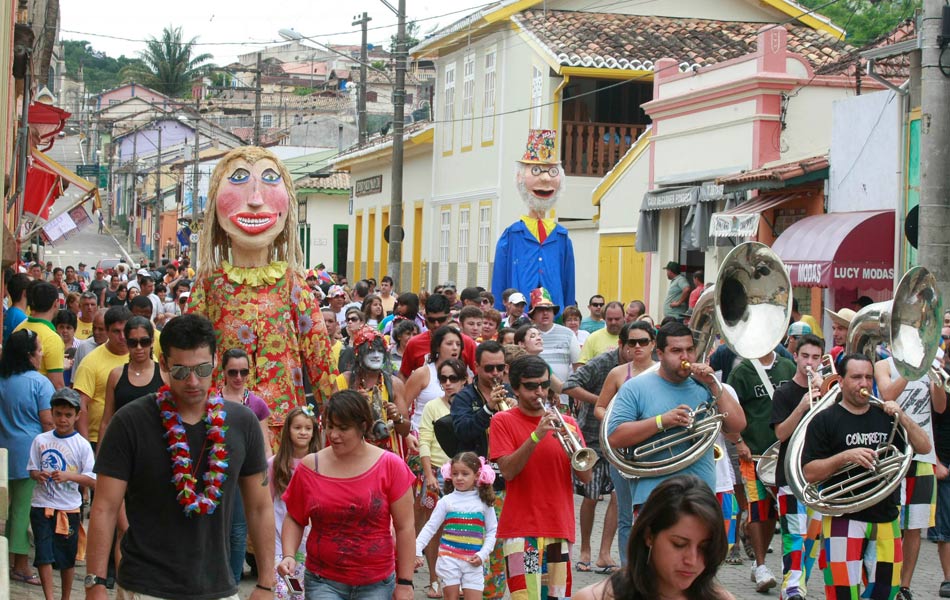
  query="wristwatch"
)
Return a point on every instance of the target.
[{"x": 93, "y": 580}]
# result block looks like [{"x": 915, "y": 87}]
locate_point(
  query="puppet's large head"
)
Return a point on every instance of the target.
[
  {"x": 251, "y": 205},
  {"x": 370, "y": 348},
  {"x": 539, "y": 174}
]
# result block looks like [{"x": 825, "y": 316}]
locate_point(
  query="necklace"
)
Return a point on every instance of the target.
[
  {"x": 138, "y": 373},
  {"x": 184, "y": 470}
]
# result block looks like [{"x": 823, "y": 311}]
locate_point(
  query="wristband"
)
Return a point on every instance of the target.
[
  {"x": 401, "y": 581},
  {"x": 659, "y": 422},
  {"x": 262, "y": 587},
  {"x": 534, "y": 438}
]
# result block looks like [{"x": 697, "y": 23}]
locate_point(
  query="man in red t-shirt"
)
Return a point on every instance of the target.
[
  {"x": 437, "y": 315},
  {"x": 539, "y": 503}
]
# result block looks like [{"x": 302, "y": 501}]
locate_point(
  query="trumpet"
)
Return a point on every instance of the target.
[
  {"x": 500, "y": 395},
  {"x": 582, "y": 459}
]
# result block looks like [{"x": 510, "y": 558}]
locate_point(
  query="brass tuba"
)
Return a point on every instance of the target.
[
  {"x": 911, "y": 325},
  {"x": 754, "y": 283}
]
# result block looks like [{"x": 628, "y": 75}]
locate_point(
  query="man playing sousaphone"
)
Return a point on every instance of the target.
[
  {"x": 660, "y": 403},
  {"x": 848, "y": 433}
]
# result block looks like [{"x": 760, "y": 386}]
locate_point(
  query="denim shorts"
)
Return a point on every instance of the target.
[
  {"x": 52, "y": 548},
  {"x": 321, "y": 588},
  {"x": 941, "y": 531}
]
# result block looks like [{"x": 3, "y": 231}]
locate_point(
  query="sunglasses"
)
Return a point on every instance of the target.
[
  {"x": 352, "y": 319},
  {"x": 236, "y": 372},
  {"x": 144, "y": 342},
  {"x": 597, "y": 304},
  {"x": 634, "y": 342},
  {"x": 437, "y": 320},
  {"x": 534, "y": 385},
  {"x": 494, "y": 368},
  {"x": 181, "y": 372},
  {"x": 485, "y": 301},
  {"x": 448, "y": 378}
]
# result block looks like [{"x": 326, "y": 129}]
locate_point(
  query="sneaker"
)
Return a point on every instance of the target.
[
  {"x": 795, "y": 597},
  {"x": 904, "y": 594},
  {"x": 763, "y": 578},
  {"x": 945, "y": 589}
]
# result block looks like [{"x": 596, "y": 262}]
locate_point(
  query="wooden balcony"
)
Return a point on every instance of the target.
[{"x": 592, "y": 149}]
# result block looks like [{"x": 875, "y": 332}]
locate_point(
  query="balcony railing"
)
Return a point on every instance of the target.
[{"x": 593, "y": 149}]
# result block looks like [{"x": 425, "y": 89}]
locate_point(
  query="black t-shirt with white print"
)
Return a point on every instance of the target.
[
  {"x": 835, "y": 430},
  {"x": 784, "y": 402}
]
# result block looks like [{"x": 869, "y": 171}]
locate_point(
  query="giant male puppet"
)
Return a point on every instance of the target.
[
  {"x": 535, "y": 251},
  {"x": 250, "y": 283}
]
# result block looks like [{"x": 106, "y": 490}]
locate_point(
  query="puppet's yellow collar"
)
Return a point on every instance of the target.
[{"x": 255, "y": 276}]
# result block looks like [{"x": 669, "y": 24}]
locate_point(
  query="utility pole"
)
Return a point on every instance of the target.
[
  {"x": 193, "y": 246},
  {"x": 361, "y": 93},
  {"x": 934, "y": 222},
  {"x": 399, "y": 101},
  {"x": 257, "y": 101},
  {"x": 156, "y": 207},
  {"x": 133, "y": 205}
]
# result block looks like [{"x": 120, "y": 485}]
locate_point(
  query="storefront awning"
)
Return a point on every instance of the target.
[
  {"x": 743, "y": 220},
  {"x": 700, "y": 199},
  {"x": 840, "y": 250}
]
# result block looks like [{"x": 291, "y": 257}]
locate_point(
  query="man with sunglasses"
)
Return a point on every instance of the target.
[
  {"x": 595, "y": 320},
  {"x": 176, "y": 546},
  {"x": 437, "y": 315},
  {"x": 93, "y": 374},
  {"x": 537, "y": 524}
]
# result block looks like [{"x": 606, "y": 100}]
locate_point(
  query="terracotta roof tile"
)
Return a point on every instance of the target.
[
  {"x": 636, "y": 42},
  {"x": 334, "y": 181},
  {"x": 781, "y": 172},
  {"x": 895, "y": 68}
]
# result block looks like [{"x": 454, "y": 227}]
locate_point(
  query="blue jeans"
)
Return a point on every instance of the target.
[
  {"x": 624, "y": 511},
  {"x": 320, "y": 588},
  {"x": 941, "y": 531},
  {"x": 238, "y": 538}
]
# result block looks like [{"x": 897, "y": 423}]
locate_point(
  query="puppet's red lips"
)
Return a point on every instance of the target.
[
  {"x": 254, "y": 222},
  {"x": 542, "y": 193}
]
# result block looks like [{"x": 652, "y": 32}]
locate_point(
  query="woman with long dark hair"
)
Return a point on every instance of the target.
[
  {"x": 138, "y": 377},
  {"x": 676, "y": 546},
  {"x": 24, "y": 414}
]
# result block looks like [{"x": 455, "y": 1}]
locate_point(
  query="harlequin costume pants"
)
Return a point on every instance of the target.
[
  {"x": 856, "y": 552},
  {"x": 801, "y": 532},
  {"x": 538, "y": 568}
]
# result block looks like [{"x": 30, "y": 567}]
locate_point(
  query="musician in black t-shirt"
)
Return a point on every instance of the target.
[
  {"x": 800, "y": 525},
  {"x": 940, "y": 533},
  {"x": 848, "y": 432}
]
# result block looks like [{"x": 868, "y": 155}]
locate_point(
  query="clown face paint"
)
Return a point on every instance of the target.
[
  {"x": 252, "y": 203},
  {"x": 374, "y": 360}
]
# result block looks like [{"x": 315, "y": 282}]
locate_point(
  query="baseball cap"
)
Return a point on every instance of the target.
[
  {"x": 143, "y": 273},
  {"x": 673, "y": 266},
  {"x": 517, "y": 298},
  {"x": 99, "y": 270},
  {"x": 336, "y": 290},
  {"x": 65, "y": 395},
  {"x": 798, "y": 328},
  {"x": 449, "y": 284},
  {"x": 470, "y": 293}
]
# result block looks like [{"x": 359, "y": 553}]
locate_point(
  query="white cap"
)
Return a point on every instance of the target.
[
  {"x": 143, "y": 272},
  {"x": 517, "y": 298}
]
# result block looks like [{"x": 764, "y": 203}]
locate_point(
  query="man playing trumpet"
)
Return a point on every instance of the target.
[
  {"x": 800, "y": 525},
  {"x": 537, "y": 524},
  {"x": 653, "y": 403},
  {"x": 866, "y": 542}
]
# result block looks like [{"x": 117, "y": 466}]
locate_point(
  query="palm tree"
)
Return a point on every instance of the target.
[{"x": 167, "y": 65}]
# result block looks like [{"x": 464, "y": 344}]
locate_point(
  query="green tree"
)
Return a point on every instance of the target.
[
  {"x": 864, "y": 20},
  {"x": 168, "y": 64},
  {"x": 412, "y": 33},
  {"x": 100, "y": 72}
]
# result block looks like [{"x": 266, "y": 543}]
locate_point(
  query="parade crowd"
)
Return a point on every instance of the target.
[{"x": 451, "y": 438}]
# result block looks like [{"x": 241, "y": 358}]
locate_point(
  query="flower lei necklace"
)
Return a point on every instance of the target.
[{"x": 182, "y": 475}]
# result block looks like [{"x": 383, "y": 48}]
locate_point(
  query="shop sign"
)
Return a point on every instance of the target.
[
  {"x": 368, "y": 186},
  {"x": 723, "y": 225}
]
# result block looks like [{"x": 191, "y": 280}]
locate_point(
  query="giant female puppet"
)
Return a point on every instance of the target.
[
  {"x": 250, "y": 282},
  {"x": 535, "y": 251}
]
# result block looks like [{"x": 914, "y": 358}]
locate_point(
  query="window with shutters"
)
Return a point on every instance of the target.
[
  {"x": 488, "y": 105},
  {"x": 484, "y": 245},
  {"x": 462, "y": 259},
  {"x": 537, "y": 87},
  {"x": 445, "y": 232},
  {"x": 448, "y": 109},
  {"x": 468, "y": 99}
]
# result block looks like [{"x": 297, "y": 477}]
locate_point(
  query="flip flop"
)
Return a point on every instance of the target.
[
  {"x": 432, "y": 590},
  {"x": 27, "y": 579},
  {"x": 605, "y": 570},
  {"x": 582, "y": 567}
]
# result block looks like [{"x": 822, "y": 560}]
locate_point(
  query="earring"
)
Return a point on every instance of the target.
[{"x": 649, "y": 554}]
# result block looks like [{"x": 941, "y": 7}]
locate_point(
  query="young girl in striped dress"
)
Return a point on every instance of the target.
[{"x": 467, "y": 517}]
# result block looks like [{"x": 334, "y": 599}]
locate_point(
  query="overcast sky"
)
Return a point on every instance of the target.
[{"x": 227, "y": 28}]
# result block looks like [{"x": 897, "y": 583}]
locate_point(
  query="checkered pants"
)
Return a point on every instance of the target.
[
  {"x": 730, "y": 510},
  {"x": 538, "y": 568},
  {"x": 801, "y": 531},
  {"x": 856, "y": 551}
]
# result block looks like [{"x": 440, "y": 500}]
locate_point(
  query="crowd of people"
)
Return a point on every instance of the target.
[{"x": 442, "y": 445}]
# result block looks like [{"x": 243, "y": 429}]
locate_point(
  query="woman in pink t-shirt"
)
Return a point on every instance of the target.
[{"x": 350, "y": 493}]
